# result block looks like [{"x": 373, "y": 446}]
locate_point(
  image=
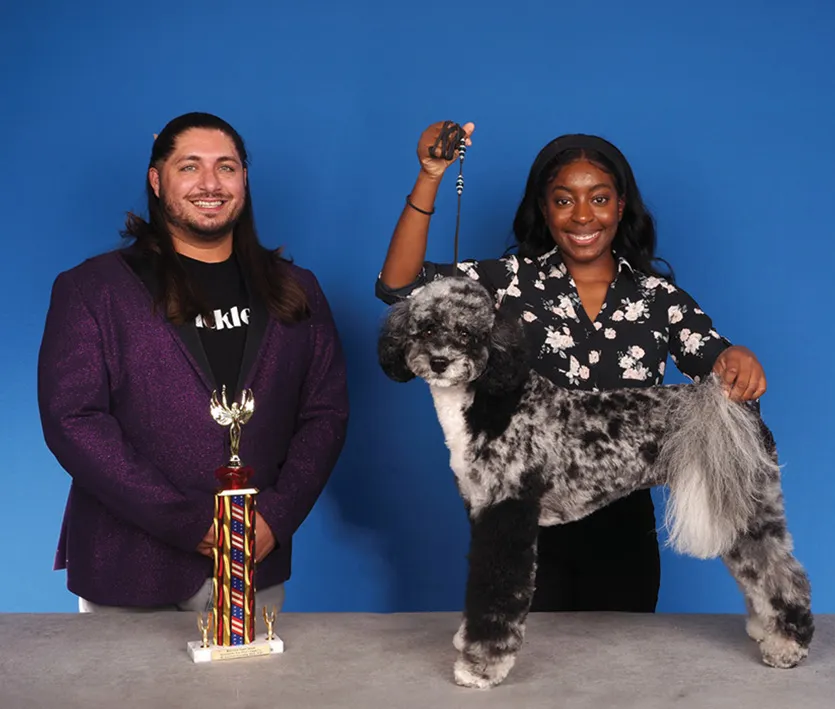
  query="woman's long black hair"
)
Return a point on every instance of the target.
[{"x": 635, "y": 239}]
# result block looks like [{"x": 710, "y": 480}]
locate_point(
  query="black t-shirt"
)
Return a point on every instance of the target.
[{"x": 223, "y": 287}]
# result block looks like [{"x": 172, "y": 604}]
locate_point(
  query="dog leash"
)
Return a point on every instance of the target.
[{"x": 452, "y": 137}]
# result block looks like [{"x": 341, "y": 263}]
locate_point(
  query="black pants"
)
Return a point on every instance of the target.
[{"x": 608, "y": 561}]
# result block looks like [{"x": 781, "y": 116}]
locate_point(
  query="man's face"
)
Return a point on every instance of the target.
[{"x": 201, "y": 186}]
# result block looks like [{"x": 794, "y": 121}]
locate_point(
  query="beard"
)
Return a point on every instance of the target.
[{"x": 207, "y": 230}]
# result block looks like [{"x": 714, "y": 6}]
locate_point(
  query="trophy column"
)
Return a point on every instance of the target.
[
  {"x": 234, "y": 591},
  {"x": 228, "y": 630}
]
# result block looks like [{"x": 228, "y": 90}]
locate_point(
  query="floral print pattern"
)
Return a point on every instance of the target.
[{"x": 643, "y": 320}]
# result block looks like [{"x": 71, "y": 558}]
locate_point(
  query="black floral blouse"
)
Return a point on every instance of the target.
[{"x": 643, "y": 320}]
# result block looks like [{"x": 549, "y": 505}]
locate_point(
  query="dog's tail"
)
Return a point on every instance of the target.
[{"x": 717, "y": 457}]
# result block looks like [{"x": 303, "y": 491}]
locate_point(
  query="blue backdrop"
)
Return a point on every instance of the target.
[{"x": 724, "y": 109}]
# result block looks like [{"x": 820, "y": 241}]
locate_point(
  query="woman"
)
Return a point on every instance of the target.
[{"x": 599, "y": 314}]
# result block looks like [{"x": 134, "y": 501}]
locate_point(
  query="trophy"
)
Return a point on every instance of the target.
[{"x": 228, "y": 629}]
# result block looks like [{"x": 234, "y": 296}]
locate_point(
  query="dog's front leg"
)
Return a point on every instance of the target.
[{"x": 500, "y": 586}]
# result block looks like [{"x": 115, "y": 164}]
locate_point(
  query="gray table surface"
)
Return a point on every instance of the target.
[{"x": 371, "y": 661}]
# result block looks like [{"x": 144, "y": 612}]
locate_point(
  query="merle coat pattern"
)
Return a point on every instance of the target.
[{"x": 526, "y": 453}]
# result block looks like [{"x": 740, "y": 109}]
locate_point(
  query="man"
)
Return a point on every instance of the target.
[{"x": 135, "y": 343}]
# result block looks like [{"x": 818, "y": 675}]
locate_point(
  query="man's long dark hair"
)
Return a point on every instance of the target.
[
  {"x": 635, "y": 239},
  {"x": 265, "y": 270}
]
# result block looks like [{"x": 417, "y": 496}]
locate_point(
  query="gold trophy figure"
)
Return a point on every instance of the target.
[
  {"x": 233, "y": 416},
  {"x": 269, "y": 619},
  {"x": 204, "y": 624}
]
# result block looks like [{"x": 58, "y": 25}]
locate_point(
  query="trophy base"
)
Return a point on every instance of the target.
[{"x": 217, "y": 653}]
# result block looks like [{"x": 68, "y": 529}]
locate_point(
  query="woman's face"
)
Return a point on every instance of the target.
[{"x": 582, "y": 209}]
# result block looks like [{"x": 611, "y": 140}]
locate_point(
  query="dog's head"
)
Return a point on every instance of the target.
[{"x": 449, "y": 333}]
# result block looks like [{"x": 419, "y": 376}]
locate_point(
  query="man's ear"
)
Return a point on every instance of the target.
[{"x": 153, "y": 178}]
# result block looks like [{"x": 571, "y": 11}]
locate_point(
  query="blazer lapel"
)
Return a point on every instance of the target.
[
  {"x": 256, "y": 329},
  {"x": 186, "y": 334},
  {"x": 189, "y": 336}
]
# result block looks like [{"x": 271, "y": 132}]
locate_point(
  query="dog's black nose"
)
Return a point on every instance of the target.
[{"x": 438, "y": 364}]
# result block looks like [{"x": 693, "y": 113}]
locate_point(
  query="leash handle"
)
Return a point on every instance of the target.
[{"x": 451, "y": 136}]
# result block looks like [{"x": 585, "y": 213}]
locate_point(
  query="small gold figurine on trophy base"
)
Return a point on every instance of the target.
[
  {"x": 269, "y": 619},
  {"x": 205, "y": 650},
  {"x": 205, "y": 627}
]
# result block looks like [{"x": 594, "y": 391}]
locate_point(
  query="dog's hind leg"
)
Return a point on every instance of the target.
[
  {"x": 776, "y": 587},
  {"x": 500, "y": 586},
  {"x": 754, "y": 624}
]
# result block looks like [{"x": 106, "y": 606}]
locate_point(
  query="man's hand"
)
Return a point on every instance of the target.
[
  {"x": 207, "y": 543},
  {"x": 264, "y": 539}
]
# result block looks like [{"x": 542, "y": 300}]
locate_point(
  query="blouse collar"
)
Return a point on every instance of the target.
[{"x": 553, "y": 258}]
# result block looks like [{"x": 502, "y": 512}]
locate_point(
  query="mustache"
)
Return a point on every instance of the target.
[{"x": 164, "y": 195}]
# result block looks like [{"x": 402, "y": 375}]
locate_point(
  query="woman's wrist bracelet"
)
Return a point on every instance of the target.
[{"x": 418, "y": 209}]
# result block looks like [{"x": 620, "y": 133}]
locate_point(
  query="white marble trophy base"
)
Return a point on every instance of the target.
[{"x": 215, "y": 653}]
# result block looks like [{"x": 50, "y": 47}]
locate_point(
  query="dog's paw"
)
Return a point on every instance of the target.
[
  {"x": 782, "y": 652},
  {"x": 482, "y": 675},
  {"x": 466, "y": 676},
  {"x": 754, "y": 628},
  {"x": 458, "y": 638}
]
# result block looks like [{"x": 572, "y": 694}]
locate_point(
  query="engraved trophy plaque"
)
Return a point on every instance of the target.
[{"x": 228, "y": 631}]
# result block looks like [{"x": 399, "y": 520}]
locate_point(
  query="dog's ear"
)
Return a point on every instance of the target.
[
  {"x": 507, "y": 365},
  {"x": 392, "y": 342}
]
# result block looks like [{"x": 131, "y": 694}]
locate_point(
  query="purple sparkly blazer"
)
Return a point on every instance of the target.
[{"x": 124, "y": 399}]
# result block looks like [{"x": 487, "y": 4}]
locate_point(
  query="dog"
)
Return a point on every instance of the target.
[{"x": 526, "y": 453}]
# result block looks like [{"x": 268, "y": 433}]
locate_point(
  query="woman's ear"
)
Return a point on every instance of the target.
[{"x": 392, "y": 343}]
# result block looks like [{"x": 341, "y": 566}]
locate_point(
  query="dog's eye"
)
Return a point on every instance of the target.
[{"x": 427, "y": 332}]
